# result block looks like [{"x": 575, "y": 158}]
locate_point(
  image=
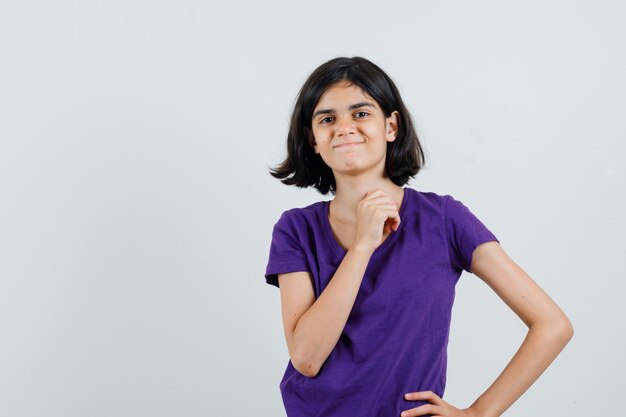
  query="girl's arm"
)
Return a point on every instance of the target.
[
  {"x": 549, "y": 328},
  {"x": 313, "y": 327}
]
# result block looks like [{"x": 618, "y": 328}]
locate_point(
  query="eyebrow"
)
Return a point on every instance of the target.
[{"x": 352, "y": 107}]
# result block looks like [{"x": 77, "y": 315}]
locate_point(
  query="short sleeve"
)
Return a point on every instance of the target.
[
  {"x": 464, "y": 233},
  {"x": 286, "y": 252}
]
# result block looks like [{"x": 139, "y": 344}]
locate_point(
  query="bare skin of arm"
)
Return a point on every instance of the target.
[
  {"x": 549, "y": 331},
  {"x": 313, "y": 327}
]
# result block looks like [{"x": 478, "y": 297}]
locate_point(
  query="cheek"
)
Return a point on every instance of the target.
[
  {"x": 321, "y": 136},
  {"x": 375, "y": 131}
]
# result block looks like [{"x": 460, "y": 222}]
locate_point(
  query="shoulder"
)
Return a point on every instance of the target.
[
  {"x": 432, "y": 207},
  {"x": 427, "y": 196},
  {"x": 296, "y": 216},
  {"x": 429, "y": 201}
]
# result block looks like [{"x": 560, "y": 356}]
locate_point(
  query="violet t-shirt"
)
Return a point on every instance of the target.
[{"x": 395, "y": 340}]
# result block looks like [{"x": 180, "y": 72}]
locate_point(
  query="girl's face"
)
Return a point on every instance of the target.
[{"x": 350, "y": 131}]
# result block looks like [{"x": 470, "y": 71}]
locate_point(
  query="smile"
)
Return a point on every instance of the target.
[{"x": 348, "y": 145}]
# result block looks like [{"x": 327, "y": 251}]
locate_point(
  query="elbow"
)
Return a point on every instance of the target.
[
  {"x": 306, "y": 368},
  {"x": 309, "y": 373},
  {"x": 566, "y": 330},
  {"x": 303, "y": 359},
  {"x": 556, "y": 330},
  {"x": 562, "y": 330},
  {"x": 305, "y": 365}
]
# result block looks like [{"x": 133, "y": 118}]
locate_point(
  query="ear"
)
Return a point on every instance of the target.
[
  {"x": 391, "y": 124},
  {"x": 311, "y": 139}
]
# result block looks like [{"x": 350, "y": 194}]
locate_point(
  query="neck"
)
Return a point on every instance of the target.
[{"x": 351, "y": 190}]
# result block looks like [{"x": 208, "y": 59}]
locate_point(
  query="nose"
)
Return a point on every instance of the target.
[{"x": 344, "y": 126}]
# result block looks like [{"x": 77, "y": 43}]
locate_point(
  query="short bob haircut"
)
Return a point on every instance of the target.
[{"x": 404, "y": 156}]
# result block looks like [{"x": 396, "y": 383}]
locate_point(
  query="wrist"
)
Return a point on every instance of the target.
[
  {"x": 471, "y": 411},
  {"x": 361, "y": 249}
]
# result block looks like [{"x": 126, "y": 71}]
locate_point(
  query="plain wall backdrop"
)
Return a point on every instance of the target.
[{"x": 136, "y": 208}]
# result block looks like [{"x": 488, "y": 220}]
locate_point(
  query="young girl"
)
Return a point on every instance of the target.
[{"x": 367, "y": 280}]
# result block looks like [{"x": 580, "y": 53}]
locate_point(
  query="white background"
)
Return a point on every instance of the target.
[{"x": 136, "y": 207}]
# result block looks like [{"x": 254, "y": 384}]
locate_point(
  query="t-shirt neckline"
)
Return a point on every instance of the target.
[{"x": 328, "y": 231}]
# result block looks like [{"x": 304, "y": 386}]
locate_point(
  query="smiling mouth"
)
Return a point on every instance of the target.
[{"x": 347, "y": 145}]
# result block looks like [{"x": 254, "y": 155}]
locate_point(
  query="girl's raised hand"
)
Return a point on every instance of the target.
[
  {"x": 377, "y": 218},
  {"x": 437, "y": 407}
]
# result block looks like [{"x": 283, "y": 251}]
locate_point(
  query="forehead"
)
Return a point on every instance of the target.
[{"x": 343, "y": 94}]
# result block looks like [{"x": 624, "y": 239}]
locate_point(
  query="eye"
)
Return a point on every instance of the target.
[
  {"x": 361, "y": 114},
  {"x": 327, "y": 119}
]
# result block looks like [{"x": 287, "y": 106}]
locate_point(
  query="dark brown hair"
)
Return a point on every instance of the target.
[{"x": 304, "y": 168}]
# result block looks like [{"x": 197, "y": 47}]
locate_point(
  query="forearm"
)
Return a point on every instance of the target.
[
  {"x": 542, "y": 344},
  {"x": 319, "y": 329}
]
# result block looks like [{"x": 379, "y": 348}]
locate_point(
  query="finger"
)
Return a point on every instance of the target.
[
  {"x": 379, "y": 199},
  {"x": 374, "y": 204},
  {"x": 394, "y": 219},
  {"x": 391, "y": 225},
  {"x": 389, "y": 215},
  {"x": 429, "y": 396},
  {"x": 377, "y": 192},
  {"x": 381, "y": 211},
  {"x": 420, "y": 411},
  {"x": 385, "y": 206},
  {"x": 391, "y": 221}
]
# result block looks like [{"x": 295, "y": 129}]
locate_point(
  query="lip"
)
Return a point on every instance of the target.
[{"x": 348, "y": 145}]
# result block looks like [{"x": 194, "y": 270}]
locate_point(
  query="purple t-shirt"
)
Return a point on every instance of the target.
[{"x": 395, "y": 340}]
